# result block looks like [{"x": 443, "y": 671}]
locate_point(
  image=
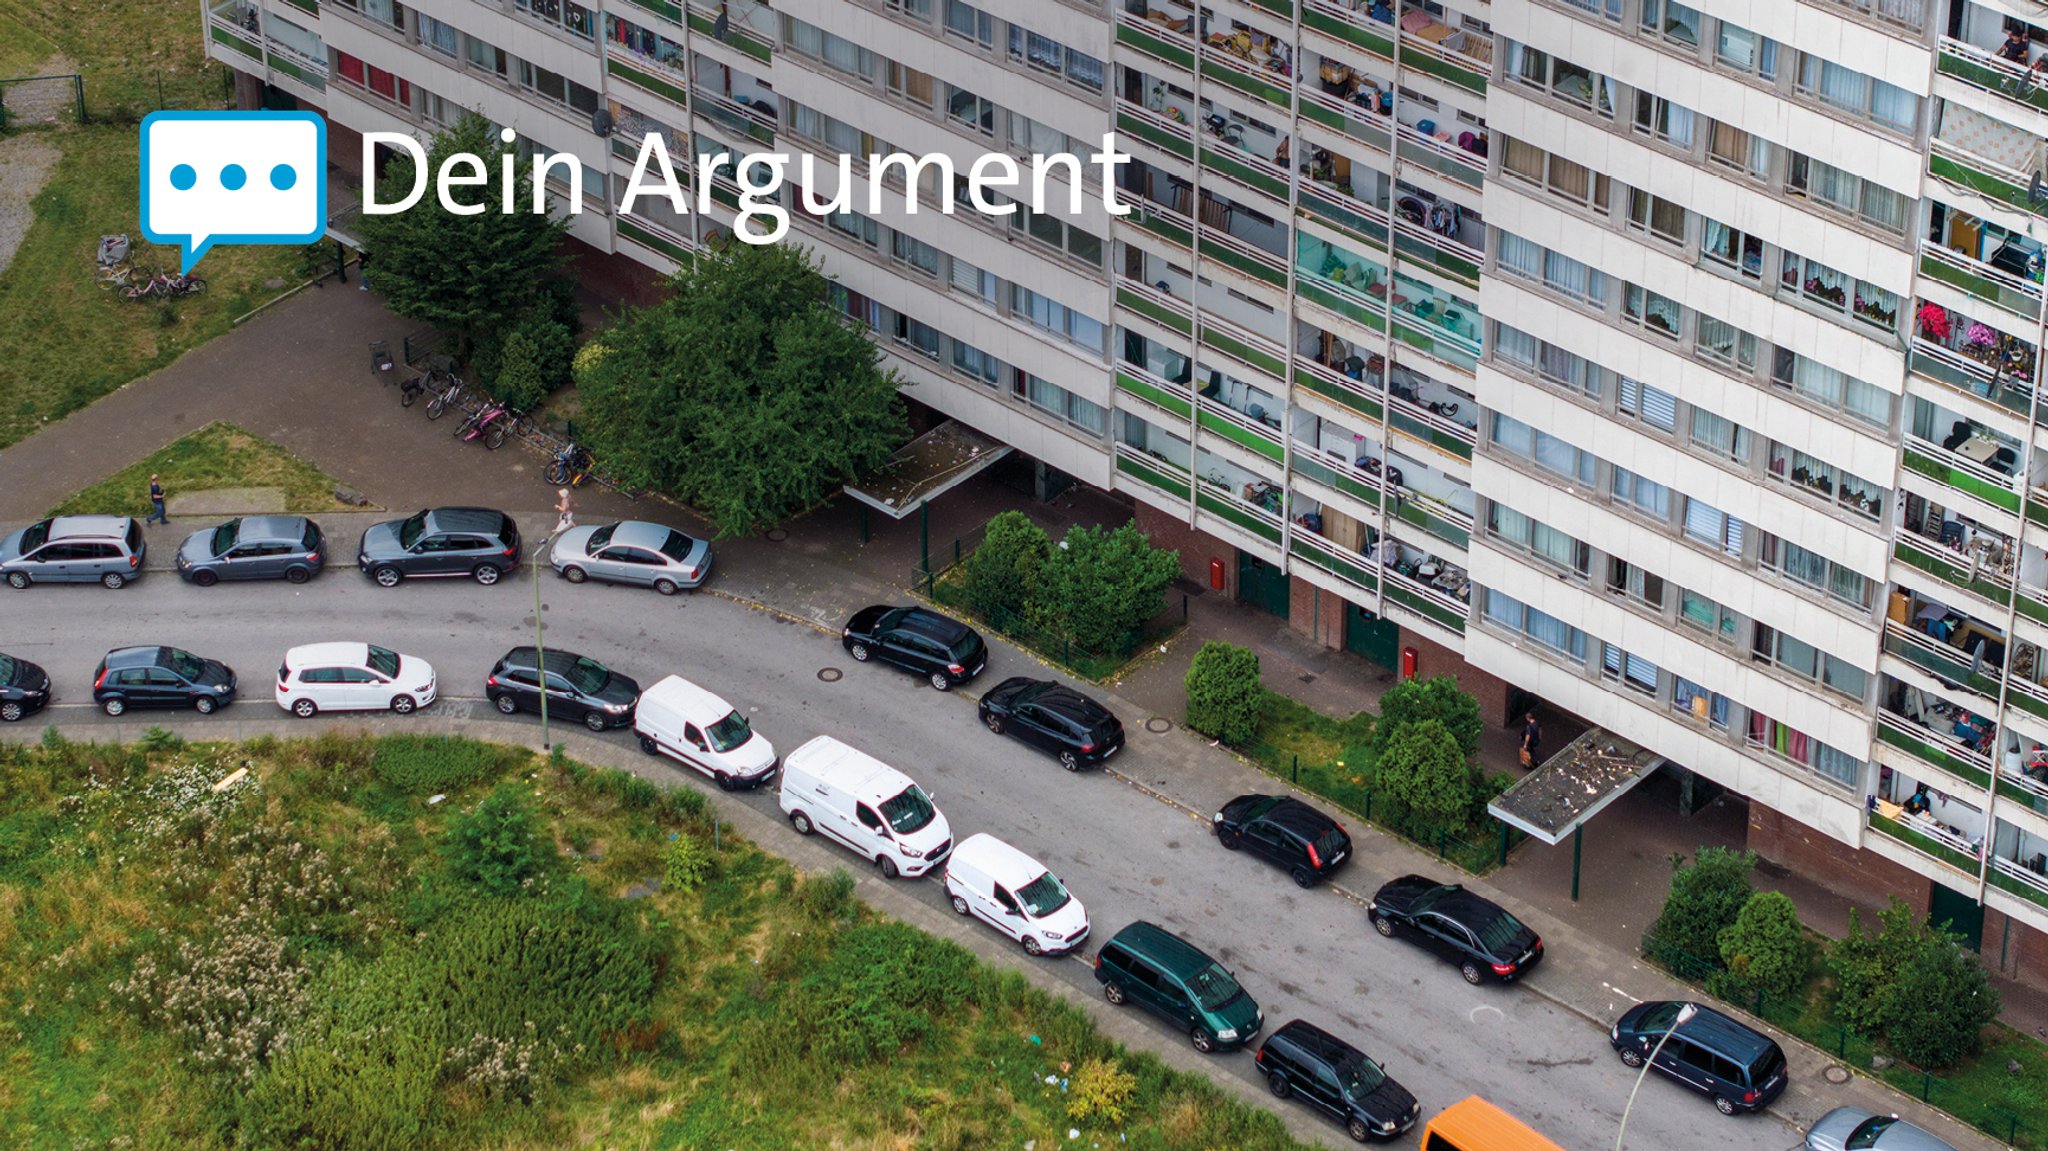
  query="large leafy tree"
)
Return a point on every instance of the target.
[
  {"x": 1100, "y": 587},
  {"x": 744, "y": 394},
  {"x": 471, "y": 275},
  {"x": 1438, "y": 698}
]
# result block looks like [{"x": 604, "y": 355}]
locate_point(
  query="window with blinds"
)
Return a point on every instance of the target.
[
  {"x": 1632, "y": 671},
  {"x": 1653, "y": 406}
]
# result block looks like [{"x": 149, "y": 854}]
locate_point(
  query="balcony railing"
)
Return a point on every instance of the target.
[
  {"x": 1431, "y": 603},
  {"x": 1312, "y": 464},
  {"x": 1941, "y": 660},
  {"x": 1980, "y": 69},
  {"x": 1444, "y": 434},
  {"x": 1354, "y": 217},
  {"x": 748, "y": 121},
  {"x": 1155, "y": 39},
  {"x": 1263, "y": 82},
  {"x": 1319, "y": 552},
  {"x": 1150, "y": 387},
  {"x": 1354, "y": 27},
  {"x": 1162, "y": 308},
  {"x": 645, "y": 73},
  {"x": 1970, "y": 377},
  {"x": 1984, "y": 579},
  {"x": 1362, "y": 396},
  {"x": 757, "y": 43},
  {"x": 229, "y": 25},
  {"x": 1241, "y": 428},
  {"x": 1988, "y": 178},
  {"x": 1368, "y": 126},
  {"x": 1220, "y": 501},
  {"x": 2033, "y": 601},
  {"x": 2017, "y": 785},
  {"x": 1157, "y": 129},
  {"x": 1446, "y": 254},
  {"x": 2019, "y": 879},
  {"x": 1980, "y": 280},
  {"x": 1154, "y": 471},
  {"x": 1941, "y": 752},
  {"x": 1461, "y": 57},
  {"x": 2027, "y": 695},
  {"x": 1248, "y": 258},
  {"x": 1244, "y": 166},
  {"x": 1937, "y": 843},
  {"x": 657, "y": 237},
  {"x": 1439, "y": 519},
  {"x": 1966, "y": 476},
  {"x": 1465, "y": 167}
]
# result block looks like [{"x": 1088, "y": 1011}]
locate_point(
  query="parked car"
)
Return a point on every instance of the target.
[
  {"x": 1337, "y": 1079},
  {"x": 1052, "y": 717},
  {"x": 1282, "y": 829},
  {"x": 1854, "y": 1129},
  {"x": 153, "y": 676},
  {"x": 24, "y": 689},
  {"x": 865, "y": 805},
  {"x": 684, "y": 722},
  {"x": 1739, "y": 1068},
  {"x": 106, "y": 550},
  {"x": 946, "y": 651},
  {"x": 1152, "y": 967},
  {"x": 1474, "y": 933},
  {"x": 352, "y": 677},
  {"x": 1015, "y": 894},
  {"x": 440, "y": 543},
  {"x": 254, "y": 547},
  {"x": 633, "y": 552},
  {"x": 578, "y": 688}
]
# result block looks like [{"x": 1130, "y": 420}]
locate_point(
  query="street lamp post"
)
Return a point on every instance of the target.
[
  {"x": 1685, "y": 1011},
  {"x": 540, "y": 654}
]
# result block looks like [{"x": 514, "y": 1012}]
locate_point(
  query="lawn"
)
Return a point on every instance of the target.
[
  {"x": 319, "y": 954},
  {"x": 216, "y": 456},
  {"x": 124, "y": 48}
]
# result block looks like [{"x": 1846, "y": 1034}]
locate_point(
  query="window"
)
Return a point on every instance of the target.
[
  {"x": 1847, "y": 194},
  {"x": 1580, "y": 87},
  {"x": 1813, "y": 570},
  {"x": 1557, "y": 271},
  {"x": 1058, "y": 233},
  {"x": 920, "y": 10},
  {"x": 1669, "y": 122},
  {"x": 1657, "y": 216},
  {"x": 1538, "y": 539},
  {"x": 1735, "y": 148},
  {"x": 1771, "y": 646},
  {"x": 1744, "y": 51},
  {"x": 1720, "y": 436},
  {"x": 1549, "y": 631},
  {"x": 1562, "y": 178},
  {"x": 971, "y": 110},
  {"x": 965, "y": 20},
  {"x": 1732, "y": 248},
  {"x": 1632, "y": 581},
  {"x": 1706, "y": 615},
  {"x": 1659, "y": 314},
  {"x": 442, "y": 38},
  {"x": 1646, "y": 496},
  {"x": 974, "y": 362},
  {"x": 1672, "y": 21},
  {"x": 1834, "y": 766},
  {"x": 908, "y": 84},
  {"x": 965, "y": 277},
  {"x": 1724, "y": 343},
  {"x": 1712, "y": 526},
  {"x": 857, "y": 226},
  {"x": 1859, "y": 95},
  {"x": 1049, "y": 315},
  {"x": 1696, "y": 701},
  {"x": 1544, "y": 450},
  {"x": 1631, "y": 671},
  {"x": 1610, "y": 9},
  {"x": 1053, "y": 399},
  {"x": 1815, "y": 381},
  {"x": 1653, "y": 406},
  {"x": 914, "y": 252}
]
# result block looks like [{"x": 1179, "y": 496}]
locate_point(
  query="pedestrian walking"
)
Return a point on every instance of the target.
[
  {"x": 363, "y": 270},
  {"x": 566, "y": 509},
  {"x": 1532, "y": 739},
  {"x": 156, "y": 502}
]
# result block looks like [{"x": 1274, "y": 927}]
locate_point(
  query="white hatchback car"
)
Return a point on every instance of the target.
[{"x": 352, "y": 677}]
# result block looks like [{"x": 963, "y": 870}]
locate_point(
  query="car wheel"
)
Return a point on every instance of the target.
[
  {"x": 1632, "y": 1057},
  {"x": 994, "y": 722},
  {"x": 666, "y": 586},
  {"x": 305, "y": 708},
  {"x": 1304, "y": 878},
  {"x": 1471, "y": 972},
  {"x": 1203, "y": 1041},
  {"x": 1358, "y": 1131},
  {"x": 204, "y": 705},
  {"x": 11, "y": 711},
  {"x": 387, "y": 576},
  {"x": 506, "y": 705},
  {"x": 887, "y": 866},
  {"x": 1277, "y": 1084},
  {"x": 114, "y": 706},
  {"x": 114, "y": 581},
  {"x": 859, "y": 651},
  {"x": 1113, "y": 993},
  {"x": 1724, "y": 1105},
  {"x": 594, "y": 720},
  {"x": 801, "y": 822},
  {"x": 1032, "y": 947},
  {"x": 574, "y": 574},
  {"x": 18, "y": 580},
  {"x": 649, "y": 746},
  {"x": 1069, "y": 761},
  {"x": 1383, "y": 925},
  {"x": 960, "y": 904},
  {"x": 205, "y": 578},
  {"x": 402, "y": 705},
  {"x": 486, "y": 574},
  {"x": 297, "y": 575},
  {"x": 724, "y": 781},
  {"x": 1230, "y": 840},
  {"x": 940, "y": 682}
]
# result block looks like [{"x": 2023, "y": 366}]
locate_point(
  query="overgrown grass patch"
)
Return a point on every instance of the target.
[{"x": 219, "y": 455}]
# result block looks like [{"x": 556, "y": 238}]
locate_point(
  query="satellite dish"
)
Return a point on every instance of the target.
[
  {"x": 601, "y": 121},
  {"x": 2034, "y": 189}
]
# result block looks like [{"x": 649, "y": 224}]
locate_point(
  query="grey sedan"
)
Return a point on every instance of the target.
[
  {"x": 1854, "y": 1129},
  {"x": 633, "y": 552},
  {"x": 254, "y": 547}
]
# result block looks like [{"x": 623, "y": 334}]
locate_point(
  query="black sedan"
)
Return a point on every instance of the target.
[
  {"x": 945, "y": 651},
  {"x": 1284, "y": 830},
  {"x": 1474, "y": 933},
  {"x": 579, "y": 689},
  {"x": 1074, "y": 728},
  {"x": 441, "y": 543},
  {"x": 24, "y": 688},
  {"x": 254, "y": 547},
  {"x": 161, "y": 677}
]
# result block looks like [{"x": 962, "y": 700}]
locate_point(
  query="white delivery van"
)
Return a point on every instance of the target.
[
  {"x": 1014, "y": 893},
  {"x": 864, "y": 804},
  {"x": 678, "y": 719}
]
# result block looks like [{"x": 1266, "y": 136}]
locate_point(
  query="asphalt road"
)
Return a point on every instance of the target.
[{"x": 1123, "y": 854}]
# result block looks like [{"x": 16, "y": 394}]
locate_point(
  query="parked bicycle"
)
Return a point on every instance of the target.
[
  {"x": 446, "y": 388},
  {"x": 570, "y": 467},
  {"x": 163, "y": 286},
  {"x": 491, "y": 423}
]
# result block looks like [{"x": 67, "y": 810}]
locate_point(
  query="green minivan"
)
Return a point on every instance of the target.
[{"x": 1152, "y": 967}]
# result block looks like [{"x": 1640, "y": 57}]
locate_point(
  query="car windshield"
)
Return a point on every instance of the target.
[
  {"x": 1658, "y": 1018},
  {"x": 32, "y": 537},
  {"x": 384, "y": 662},
  {"x": 909, "y": 811},
  {"x": 588, "y": 676},
  {"x": 732, "y": 731},
  {"x": 224, "y": 536},
  {"x": 189, "y": 667},
  {"x": 1214, "y": 987},
  {"x": 1042, "y": 896},
  {"x": 1359, "y": 1076},
  {"x": 677, "y": 546},
  {"x": 1260, "y": 806},
  {"x": 601, "y": 537},
  {"x": 410, "y": 530},
  {"x": 1498, "y": 934},
  {"x": 1866, "y": 1133}
]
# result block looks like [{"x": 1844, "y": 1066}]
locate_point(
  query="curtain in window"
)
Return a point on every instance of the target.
[
  {"x": 1677, "y": 124},
  {"x": 1523, "y": 257},
  {"x": 1712, "y": 431},
  {"x": 1527, "y": 63},
  {"x": 1807, "y": 567},
  {"x": 1567, "y": 275},
  {"x": 1640, "y": 673},
  {"x": 1846, "y": 678},
  {"x": 1884, "y": 207},
  {"x": 1504, "y": 610},
  {"x": 1043, "y": 51},
  {"x": 1868, "y": 402},
  {"x": 847, "y": 56},
  {"x": 1035, "y": 137},
  {"x": 1571, "y": 180},
  {"x": 1699, "y": 610},
  {"x": 1514, "y": 436},
  {"x": 1563, "y": 366},
  {"x": 1514, "y": 345},
  {"x": 1703, "y": 521},
  {"x": 1894, "y": 107},
  {"x": 1557, "y": 455},
  {"x": 1510, "y": 524},
  {"x": 1816, "y": 380},
  {"x": 1831, "y": 184},
  {"x": 1647, "y": 495},
  {"x": 1835, "y": 84},
  {"x": 433, "y": 33},
  {"x": 1523, "y": 159},
  {"x": 1084, "y": 70},
  {"x": 1837, "y": 766},
  {"x": 1046, "y": 394},
  {"x": 1087, "y": 415},
  {"x": 1846, "y": 584},
  {"x": 1554, "y": 633},
  {"x": 1554, "y": 546}
]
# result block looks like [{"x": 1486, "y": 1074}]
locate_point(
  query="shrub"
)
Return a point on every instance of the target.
[
  {"x": 827, "y": 898},
  {"x": 1706, "y": 898},
  {"x": 1866, "y": 966},
  {"x": 1224, "y": 693},
  {"x": 426, "y": 764},
  {"x": 517, "y": 381},
  {"x": 1101, "y": 1088},
  {"x": 158, "y": 739},
  {"x": 883, "y": 988},
  {"x": 1438, "y": 698},
  {"x": 1943, "y": 1002},
  {"x": 1002, "y": 572},
  {"x": 685, "y": 806},
  {"x": 1423, "y": 768},
  {"x": 684, "y": 862},
  {"x": 1099, "y": 587},
  {"x": 498, "y": 846},
  {"x": 1765, "y": 948}
]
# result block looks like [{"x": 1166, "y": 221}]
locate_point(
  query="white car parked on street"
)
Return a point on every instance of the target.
[
  {"x": 352, "y": 677},
  {"x": 1014, "y": 893}
]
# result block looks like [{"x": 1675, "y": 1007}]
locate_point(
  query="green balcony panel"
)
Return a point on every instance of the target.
[
  {"x": 1431, "y": 434},
  {"x": 1244, "y": 437},
  {"x": 2011, "y": 790},
  {"x": 1470, "y": 175},
  {"x": 1154, "y": 311},
  {"x": 1330, "y": 560},
  {"x": 1443, "y": 347},
  {"x": 297, "y": 71},
  {"x": 2032, "y": 608},
  {"x": 1962, "y": 481},
  {"x": 1160, "y": 397},
  {"x": 1935, "y": 368},
  {"x": 223, "y": 36},
  {"x": 662, "y": 8},
  {"x": 1245, "y": 174},
  {"x": 644, "y": 79},
  {"x": 1355, "y": 400},
  {"x": 1378, "y": 43},
  {"x": 1156, "y": 477},
  {"x": 1154, "y": 135},
  {"x": 1459, "y": 74},
  {"x": 1251, "y": 86},
  {"x": 1449, "y": 263},
  {"x": 1145, "y": 41},
  {"x": 1980, "y": 181},
  {"x": 746, "y": 42},
  {"x": 1342, "y": 303},
  {"x": 1925, "y": 844},
  {"x": 1161, "y": 227},
  {"x": 1281, "y": 8},
  {"x": 1230, "y": 345},
  {"x": 640, "y": 235},
  {"x": 1936, "y": 659},
  {"x": 2032, "y": 705},
  {"x": 1230, "y": 510},
  {"x": 1429, "y": 609},
  {"x": 1332, "y": 214},
  {"x": 1411, "y": 511},
  {"x": 1933, "y": 753},
  {"x": 2019, "y": 887},
  {"x": 1933, "y": 564},
  {"x": 312, "y": 6},
  {"x": 1981, "y": 287},
  {"x": 1964, "y": 68}
]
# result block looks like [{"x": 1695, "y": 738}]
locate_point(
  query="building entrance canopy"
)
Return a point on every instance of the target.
[
  {"x": 1572, "y": 786},
  {"x": 927, "y": 467}
]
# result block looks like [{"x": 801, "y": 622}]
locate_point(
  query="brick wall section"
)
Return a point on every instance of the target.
[
  {"x": 615, "y": 280},
  {"x": 1863, "y": 876},
  {"x": 1314, "y": 613},
  {"x": 2021, "y": 955},
  {"x": 1196, "y": 548},
  {"x": 1434, "y": 659}
]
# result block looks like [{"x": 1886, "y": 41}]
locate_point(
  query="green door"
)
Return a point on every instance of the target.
[
  {"x": 1372, "y": 637},
  {"x": 1261, "y": 585},
  {"x": 1964, "y": 915}
]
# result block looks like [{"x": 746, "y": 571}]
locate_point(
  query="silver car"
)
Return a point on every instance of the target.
[
  {"x": 1854, "y": 1129},
  {"x": 633, "y": 552},
  {"x": 74, "y": 549},
  {"x": 254, "y": 547}
]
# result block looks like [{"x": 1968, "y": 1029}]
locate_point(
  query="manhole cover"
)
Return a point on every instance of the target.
[
  {"x": 1836, "y": 1073},
  {"x": 777, "y": 535},
  {"x": 830, "y": 674},
  {"x": 1159, "y": 725}
]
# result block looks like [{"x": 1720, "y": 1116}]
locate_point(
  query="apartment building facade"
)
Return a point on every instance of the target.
[{"x": 1676, "y": 364}]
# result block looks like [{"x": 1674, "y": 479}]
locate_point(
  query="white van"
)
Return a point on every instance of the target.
[
  {"x": 678, "y": 719},
  {"x": 866, "y": 805},
  {"x": 1014, "y": 893}
]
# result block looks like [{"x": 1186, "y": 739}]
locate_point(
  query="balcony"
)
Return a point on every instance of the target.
[
  {"x": 749, "y": 29},
  {"x": 1436, "y": 590},
  {"x": 1241, "y": 497},
  {"x": 1989, "y": 157},
  {"x": 1956, "y": 649},
  {"x": 1331, "y": 202},
  {"x": 237, "y": 25},
  {"x": 1461, "y": 158},
  {"x": 1985, "y": 261},
  {"x": 1356, "y": 23},
  {"x": 1457, "y": 55},
  {"x": 1970, "y": 458},
  {"x": 1937, "y": 750},
  {"x": 1956, "y": 550},
  {"x": 1349, "y": 100},
  {"x": 1932, "y": 839},
  {"x": 744, "y": 117},
  {"x": 1972, "y": 357},
  {"x": 647, "y": 60},
  {"x": 1980, "y": 66},
  {"x": 1435, "y": 414},
  {"x": 1332, "y": 541},
  {"x": 1159, "y": 29},
  {"x": 1443, "y": 235},
  {"x": 1254, "y": 62}
]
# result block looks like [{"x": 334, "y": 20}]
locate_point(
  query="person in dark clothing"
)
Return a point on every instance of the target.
[
  {"x": 1532, "y": 739},
  {"x": 2015, "y": 46},
  {"x": 363, "y": 270},
  {"x": 156, "y": 503}
]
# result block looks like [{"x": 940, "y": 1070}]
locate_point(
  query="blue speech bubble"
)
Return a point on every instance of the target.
[{"x": 233, "y": 177}]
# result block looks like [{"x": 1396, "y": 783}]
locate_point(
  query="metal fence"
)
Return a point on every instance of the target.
[
  {"x": 1350, "y": 788},
  {"x": 35, "y": 101},
  {"x": 121, "y": 97}
]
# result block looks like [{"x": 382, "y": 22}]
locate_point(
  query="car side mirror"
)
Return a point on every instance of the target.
[{"x": 1011, "y": 911}]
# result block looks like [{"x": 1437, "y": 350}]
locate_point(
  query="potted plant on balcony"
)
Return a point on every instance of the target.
[
  {"x": 1821, "y": 290},
  {"x": 1980, "y": 343},
  {"x": 1874, "y": 311},
  {"x": 1934, "y": 323}
]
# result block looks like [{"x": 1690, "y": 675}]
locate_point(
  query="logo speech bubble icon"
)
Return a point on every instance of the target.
[{"x": 233, "y": 177}]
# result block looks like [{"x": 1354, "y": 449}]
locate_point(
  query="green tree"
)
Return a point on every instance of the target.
[
  {"x": 1423, "y": 768},
  {"x": 1100, "y": 587},
  {"x": 1438, "y": 698},
  {"x": 1765, "y": 948},
  {"x": 467, "y": 275},
  {"x": 1942, "y": 1002},
  {"x": 1706, "y": 898},
  {"x": 744, "y": 394},
  {"x": 1225, "y": 698},
  {"x": 498, "y": 846},
  {"x": 517, "y": 381},
  {"x": 1003, "y": 570}
]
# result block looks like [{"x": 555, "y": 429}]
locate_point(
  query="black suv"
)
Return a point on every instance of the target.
[
  {"x": 1474, "y": 933},
  {"x": 441, "y": 542},
  {"x": 1054, "y": 718},
  {"x": 1286, "y": 831},
  {"x": 578, "y": 688},
  {"x": 1335, "y": 1078},
  {"x": 161, "y": 677},
  {"x": 946, "y": 651},
  {"x": 1737, "y": 1067},
  {"x": 24, "y": 688}
]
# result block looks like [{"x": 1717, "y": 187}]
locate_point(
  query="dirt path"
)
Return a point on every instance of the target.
[{"x": 26, "y": 161}]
